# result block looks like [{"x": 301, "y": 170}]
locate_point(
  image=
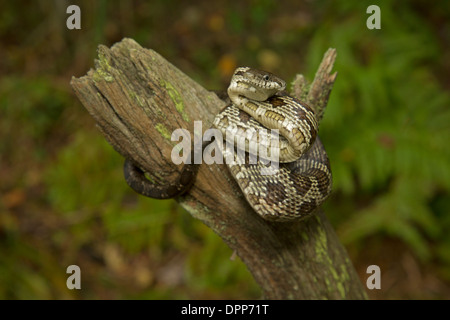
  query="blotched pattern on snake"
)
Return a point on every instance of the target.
[{"x": 303, "y": 179}]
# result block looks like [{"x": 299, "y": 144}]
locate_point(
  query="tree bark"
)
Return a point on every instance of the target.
[{"x": 138, "y": 99}]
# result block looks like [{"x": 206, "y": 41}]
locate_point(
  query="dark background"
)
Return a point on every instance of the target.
[{"x": 63, "y": 199}]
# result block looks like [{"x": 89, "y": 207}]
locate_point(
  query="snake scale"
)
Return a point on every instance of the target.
[{"x": 302, "y": 181}]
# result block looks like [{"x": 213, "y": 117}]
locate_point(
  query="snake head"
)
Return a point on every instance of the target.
[{"x": 254, "y": 84}]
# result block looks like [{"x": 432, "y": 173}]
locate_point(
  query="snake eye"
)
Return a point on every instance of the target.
[{"x": 266, "y": 77}]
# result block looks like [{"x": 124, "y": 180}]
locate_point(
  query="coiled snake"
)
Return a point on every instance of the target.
[{"x": 302, "y": 180}]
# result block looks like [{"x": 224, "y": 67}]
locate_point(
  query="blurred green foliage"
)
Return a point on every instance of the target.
[
  {"x": 392, "y": 118},
  {"x": 63, "y": 200}
]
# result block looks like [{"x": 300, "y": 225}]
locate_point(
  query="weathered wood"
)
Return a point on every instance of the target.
[{"x": 138, "y": 99}]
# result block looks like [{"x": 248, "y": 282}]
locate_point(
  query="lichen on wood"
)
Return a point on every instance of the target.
[{"x": 296, "y": 260}]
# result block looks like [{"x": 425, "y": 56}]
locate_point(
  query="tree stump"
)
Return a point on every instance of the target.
[{"x": 138, "y": 99}]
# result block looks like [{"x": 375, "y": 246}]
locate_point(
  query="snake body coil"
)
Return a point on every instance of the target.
[{"x": 303, "y": 179}]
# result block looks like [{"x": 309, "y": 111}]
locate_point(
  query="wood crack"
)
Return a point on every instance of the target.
[{"x": 296, "y": 260}]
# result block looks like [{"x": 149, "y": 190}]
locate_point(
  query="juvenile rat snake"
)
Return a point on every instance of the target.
[{"x": 302, "y": 181}]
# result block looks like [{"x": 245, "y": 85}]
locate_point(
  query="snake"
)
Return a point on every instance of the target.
[{"x": 298, "y": 178}]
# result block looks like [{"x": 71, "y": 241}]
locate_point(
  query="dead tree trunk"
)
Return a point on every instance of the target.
[{"x": 138, "y": 99}]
